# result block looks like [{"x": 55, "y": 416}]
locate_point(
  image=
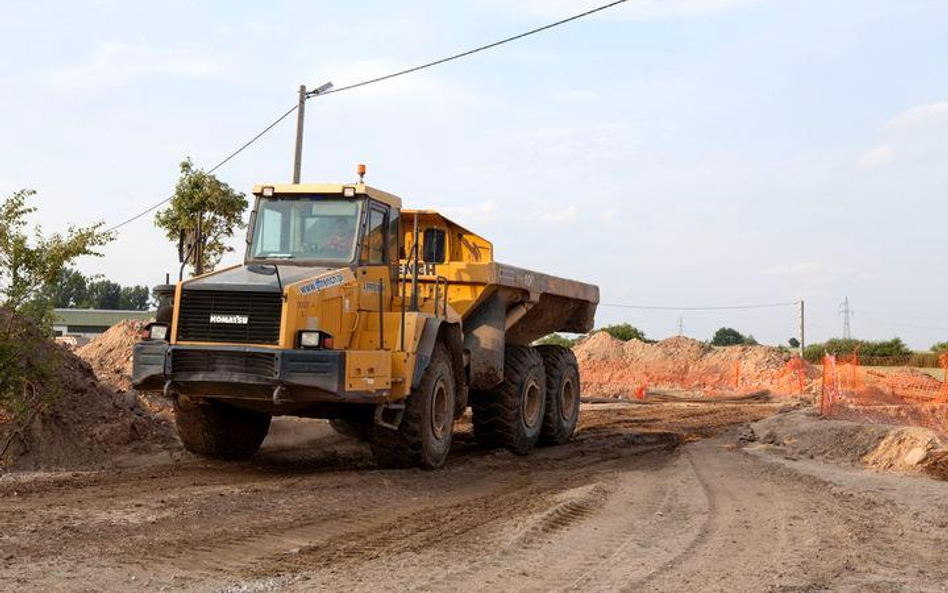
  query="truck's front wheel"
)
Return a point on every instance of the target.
[
  {"x": 511, "y": 414},
  {"x": 217, "y": 430},
  {"x": 424, "y": 435}
]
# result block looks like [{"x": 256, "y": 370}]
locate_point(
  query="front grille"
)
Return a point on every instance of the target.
[
  {"x": 260, "y": 309},
  {"x": 216, "y": 361}
]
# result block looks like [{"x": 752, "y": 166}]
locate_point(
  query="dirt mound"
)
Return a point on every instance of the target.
[
  {"x": 613, "y": 368},
  {"x": 803, "y": 433},
  {"x": 110, "y": 354},
  {"x": 903, "y": 449},
  {"x": 75, "y": 421}
]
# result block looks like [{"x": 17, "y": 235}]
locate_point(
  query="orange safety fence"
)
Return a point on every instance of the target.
[{"x": 886, "y": 390}]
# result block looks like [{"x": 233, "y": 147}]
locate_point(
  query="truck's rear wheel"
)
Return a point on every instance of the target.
[
  {"x": 562, "y": 394},
  {"x": 511, "y": 414},
  {"x": 218, "y": 430},
  {"x": 424, "y": 435}
]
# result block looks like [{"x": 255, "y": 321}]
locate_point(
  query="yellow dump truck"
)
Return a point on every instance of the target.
[{"x": 389, "y": 322}]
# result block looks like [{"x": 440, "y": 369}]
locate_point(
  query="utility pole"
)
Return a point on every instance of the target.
[
  {"x": 681, "y": 326},
  {"x": 300, "y": 117},
  {"x": 300, "y": 121},
  {"x": 802, "y": 329},
  {"x": 846, "y": 312}
]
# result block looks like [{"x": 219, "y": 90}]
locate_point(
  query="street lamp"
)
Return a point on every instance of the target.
[{"x": 300, "y": 114}]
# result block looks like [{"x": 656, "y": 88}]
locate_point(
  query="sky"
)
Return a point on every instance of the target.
[{"x": 677, "y": 153}]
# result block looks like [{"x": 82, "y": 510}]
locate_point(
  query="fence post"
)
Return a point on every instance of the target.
[
  {"x": 943, "y": 359},
  {"x": 829, "y": 384}
]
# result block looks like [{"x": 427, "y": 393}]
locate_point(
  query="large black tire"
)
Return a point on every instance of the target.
[
  {"x": 562, "y": 394},
  {"x": 510, "y": 415},
  {"x": 217, "y": 430},
  {"x": 423, "y": 438}
]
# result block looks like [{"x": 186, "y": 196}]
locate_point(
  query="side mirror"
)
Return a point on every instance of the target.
[
  {"x": 434, "y": 246},
  {"x": 250, "y": 225}
]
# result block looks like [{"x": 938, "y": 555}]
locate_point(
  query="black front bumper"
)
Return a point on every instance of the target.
[{"x": 242, "y": 372}]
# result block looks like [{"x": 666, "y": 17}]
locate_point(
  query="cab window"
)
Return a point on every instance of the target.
[{"x": 375, "y": 238}]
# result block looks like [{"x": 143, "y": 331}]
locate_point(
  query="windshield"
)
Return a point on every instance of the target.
[{"x": 310, "y": 227}]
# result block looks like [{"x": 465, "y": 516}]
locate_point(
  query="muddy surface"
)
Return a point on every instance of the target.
[{"x": 650, "y": 497}]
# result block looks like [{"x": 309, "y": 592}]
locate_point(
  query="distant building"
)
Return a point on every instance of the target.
[{"x": 89, "y": 323}]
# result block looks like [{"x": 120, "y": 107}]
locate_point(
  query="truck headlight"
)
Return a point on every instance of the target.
[
  {"x": 157, "y": 331},
  {"x": 314, "y": 339}
]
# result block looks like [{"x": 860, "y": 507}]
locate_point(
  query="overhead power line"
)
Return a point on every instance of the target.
[
  {"x": 475, "y": 50},
  {"x": 377, "y": 79},
  {"x": 709, "y": 308}
]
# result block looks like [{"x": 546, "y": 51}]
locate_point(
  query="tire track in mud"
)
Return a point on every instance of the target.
[
  {"x": 585, "y": 503},
  {"x": 352, "y": 537}
]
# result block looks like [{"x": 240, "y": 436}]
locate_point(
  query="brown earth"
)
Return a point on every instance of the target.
[
  {"x": 110, "y": 354},
  {"x": 613, "y": 368},
  {"x": 74, "y": 421},
  {"x": 649, "y": 497}
]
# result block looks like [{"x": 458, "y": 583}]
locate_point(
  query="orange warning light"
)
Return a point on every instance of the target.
[{"x": 360, "y": 169}]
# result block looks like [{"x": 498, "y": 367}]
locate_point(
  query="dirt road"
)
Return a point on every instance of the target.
[{"x": 646, "y": 499}]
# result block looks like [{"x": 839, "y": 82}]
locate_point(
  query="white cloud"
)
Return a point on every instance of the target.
[
  {"x": 876, "y": 157},
  {"x": 116, "y": 63},
  {"x": 567, "y": 214},
  {"x": 921, "y": 115},
  {"x": 640, "y": 10}
]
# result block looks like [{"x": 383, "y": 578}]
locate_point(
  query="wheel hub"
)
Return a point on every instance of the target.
[
  {"x": 568, "y": 399},
  {"x": 531, "y": 404},
  {"x": 441, "y": 415}
]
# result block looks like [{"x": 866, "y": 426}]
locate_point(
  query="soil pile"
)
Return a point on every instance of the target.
[
  {"x": 613, "y": 368},
  {"x": 110, "y": 354},
  {"x": 803, "y": 433},
  {"x": 75, "y": 421}
]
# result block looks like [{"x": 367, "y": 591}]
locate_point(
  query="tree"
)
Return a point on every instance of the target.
[
  {"x": 794, "y": 343},
  {"x": 103, "y": 294},
  {"x": 843, "y": 346},
  {"x": 29, "y": 263},
  {"x": 68, "y": 290},
  {"x": 202, "y": 201},
  {"x": 940, "y": 347},
  {"x": 135, "y": 298},
  {"x": 625, "y": 332},
  {"x": 28, "y": 267},
  {"x": 727, "y": 336},
  {"x": 72, "y": 289}
]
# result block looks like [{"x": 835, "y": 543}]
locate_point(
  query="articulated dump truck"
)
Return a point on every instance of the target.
[{"x": 388, "y": 322}]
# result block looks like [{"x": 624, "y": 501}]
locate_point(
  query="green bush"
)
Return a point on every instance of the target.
[
  {"x": 556, "y": 340},
  {"x": 624, "y": 332},
  {"x": 866, "y": 349},
  {"x": 728, "y": 336},
  {"x": 940, "y": 347}
]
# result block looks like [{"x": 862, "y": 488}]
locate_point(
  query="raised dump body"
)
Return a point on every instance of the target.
[{"x": 389, "y": 322}]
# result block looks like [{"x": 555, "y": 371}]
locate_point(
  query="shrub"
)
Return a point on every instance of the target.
[
  {"x": 625, "y": 332},
  {"x": 556, "y": 340}
]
